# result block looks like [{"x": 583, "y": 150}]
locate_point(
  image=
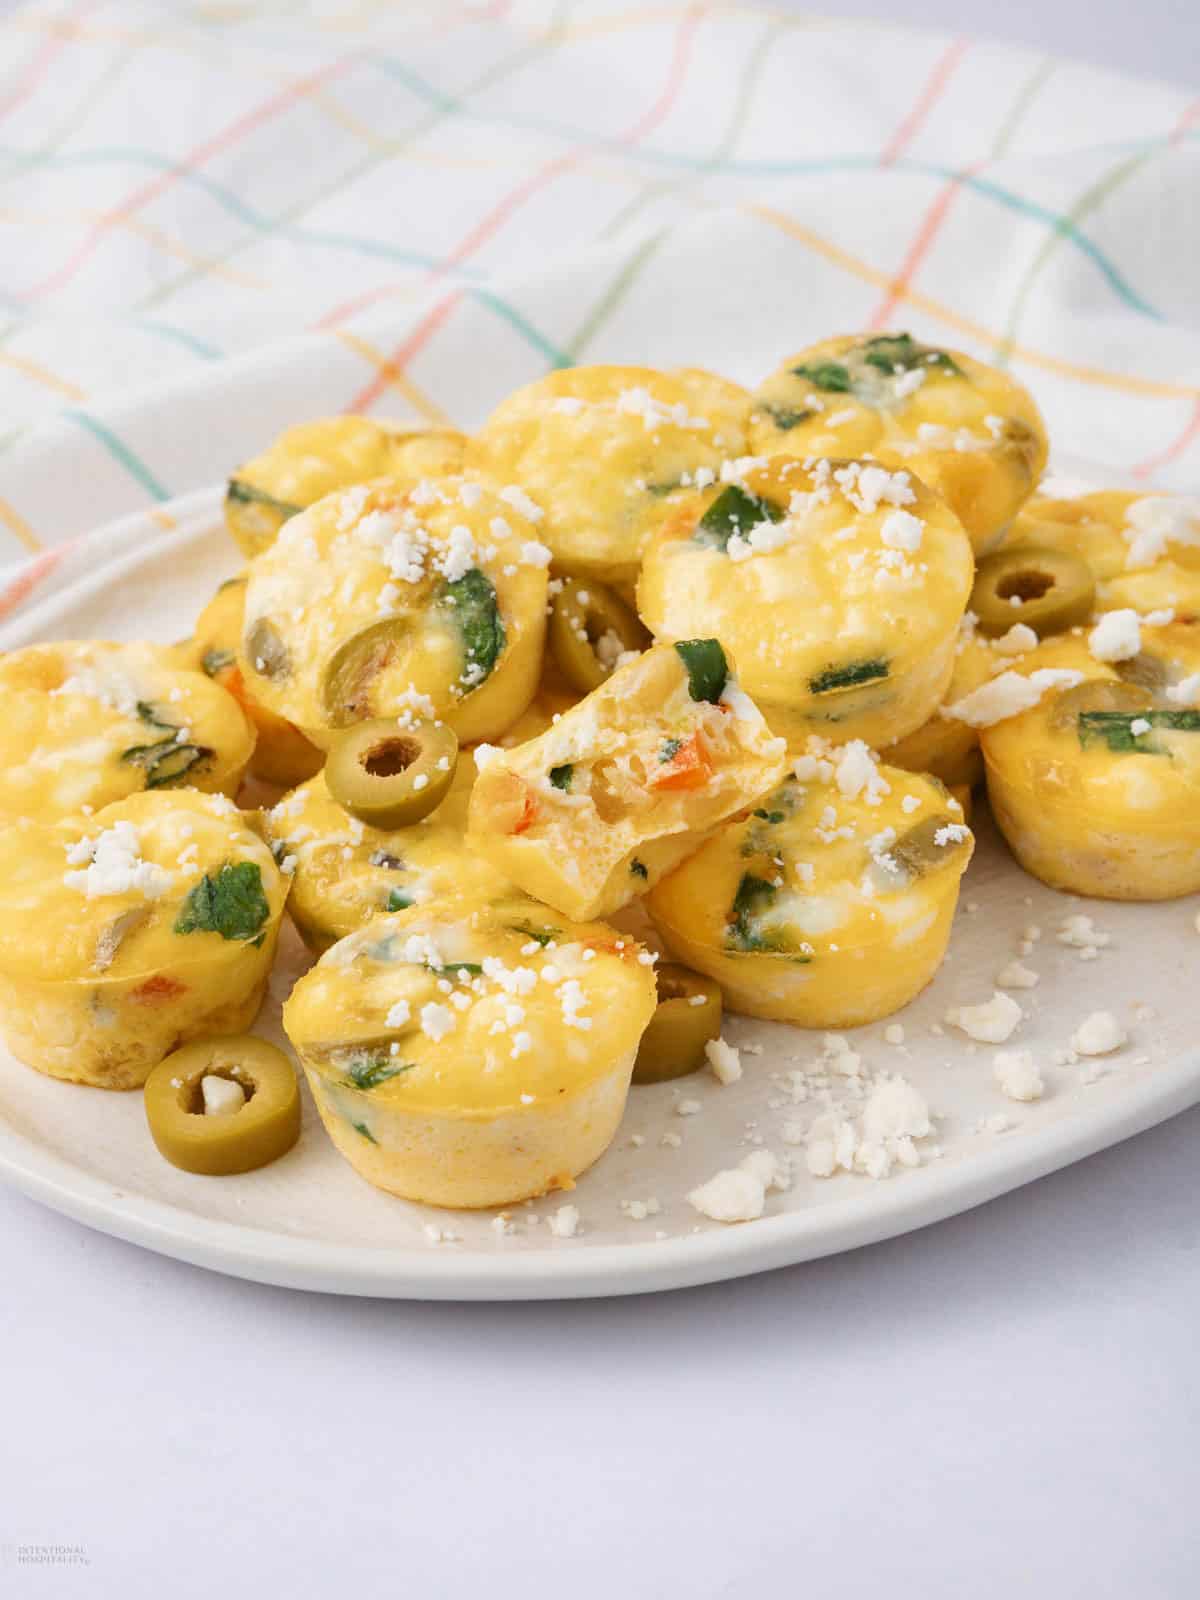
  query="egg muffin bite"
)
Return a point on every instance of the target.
[
  {"x": 1142, "y": 550},
  {"x": 949, "y": 750},
  {"x": 282, "y": 755},
  {"x": 313, "y": 459},
  {"x": 467, "y": 1054},
  {"x": 627, "y": 783},
  {"x": 386, "y": 599},
  {"x": 127, "y": 933},
  {"x": 1095, "y": 781},
  {"x": 87, "y": 723},
  {"x": 605, "y": 452},
  {"x": 970, "y": 432},
  {"x": 838, "y": 585},
  {"x": 345, "y": 872},
  {"x": 829, "y": 904}
]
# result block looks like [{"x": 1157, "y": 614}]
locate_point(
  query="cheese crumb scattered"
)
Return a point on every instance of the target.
[
  {"x": 115, "y": 865},
  {"x": 564, "y": 1223},
  {"x": 1009, "y": 695},
  {"x": 1017, "y": 1076},
  {"x": 725, "y": 1061},
  {"x": 1116, "y": 637},
  {"x": 731, "y": 1196},
  {"x": 1098, "y": 1035},
  {"x": 1015, "y": 976},
  {"x": 991, "y": 1022}
]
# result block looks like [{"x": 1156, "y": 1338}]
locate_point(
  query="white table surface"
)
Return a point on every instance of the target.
[{"x": 1003, "y": 1405}]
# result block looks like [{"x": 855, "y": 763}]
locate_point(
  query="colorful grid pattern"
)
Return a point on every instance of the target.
[{"x": 220, "y": 217}]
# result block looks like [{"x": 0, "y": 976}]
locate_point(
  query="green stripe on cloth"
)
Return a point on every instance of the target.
[{"x": 119, "y": 451}]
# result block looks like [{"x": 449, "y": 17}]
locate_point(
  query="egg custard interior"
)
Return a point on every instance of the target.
[
  {"x": 87, "y": 723},
  {"x": 472, "y": 1054},
  {"x": 830, "y": 903},
  {"x": 625, "y": 784},
  {"x": 970, "y": 432}
]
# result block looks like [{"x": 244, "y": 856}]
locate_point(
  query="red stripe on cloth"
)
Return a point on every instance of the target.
[
  {"x": 922, "y": 244},
  {"x": 500, "y": 213},
  {"x": 51, "y": 48},
  {"x": 926, "y": 100},
  {"x": 27, "y": 580},
  {"x": 195, "y": 158},
  {"x": 404, "y": 353},
  {"x": 1174, "y": 450}
]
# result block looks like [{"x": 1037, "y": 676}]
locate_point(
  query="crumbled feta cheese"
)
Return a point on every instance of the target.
[
  {"x": 768, "y": 1169},
  {"x": 516, "y": 497},
  {"x": 1098, "y": 1034},
  {"x": 564, "y": 1223},
  {"x": 436, "y": 1021},
  {"x": 115, "y": 865},
  {"x": 1016, "y": 1074},
  {"x": 894, "y": 1033},
  {"x": 1019, "y": 638},
  {"x": 1015, "y": 976},
  {"x": 398, "y": 1015},
  {"x": 688, "y": 1108},
  {"x": 222, "y": 1096},
  {"x": 1116, "y": 637},
  {"x": 724, "y": 1060},
  {"x": 1009, "y": 695},
  {"x": 1082, "y": 933},
  {"x": 734, "y": 1195},
  {"x": 1156, "y": 521},
  {"x": 900, "y": 530},
  {"x": 895, "y": 1110},
  {"x": 1186, "y": 692},
  {"x": 991, "y": 1022}
]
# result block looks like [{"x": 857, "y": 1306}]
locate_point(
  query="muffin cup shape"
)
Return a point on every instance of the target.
[
  {"x": 970, "y": 432},
  {"x": 823, "y": 908},
  {"x": 385, "y": 600},
  {"x": 282, "y": 755},
  {"x": 472, "y": 1055},
  {"x": 1088, "y": 800},
  {"x": 88, "y": 723},
  {"x": 344, "y": 872},
  {"x": 607, "y": 450},
  {"x": 949, "y": 750},
  {"x": 627, "y": 783},
  {"x": 838, "y": 585},
  {"x": 314, "y": 459},
  {"x": 98, "y": 987}
]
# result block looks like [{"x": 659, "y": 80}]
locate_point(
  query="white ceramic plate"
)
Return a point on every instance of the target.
[{"x": 309, "y": 1222}]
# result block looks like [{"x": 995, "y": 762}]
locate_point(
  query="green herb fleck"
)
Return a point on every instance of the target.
[
  {"x": 166, "y": 761},
  {"x": 397, "y": 900},
  {"x": 831, "y": 376},
  {"x": 900, "y": 352},
  {"x": 850, "y": 677},
  {"x": 735, "y": 510},
  {"x": 232, "y": 904},
  {"x": 243, "y": 493},
  {"x": 707, "y": 668},
  {"x": 787, "y": 417},
  {"x": 561, "y": 777},
  {"x": 214, "y": 661},
  {"x": 639, "y": 868},
  {"x": 1115, "y": 729},
  {"x": 361, "y": 1127},
  {"x": 670, "y": 749},
  {"x": 368, "y": 1069},
  {"x": 542, "y": 936},
  {"x": 472, "y": 598},
  {"x": 771, "y": 816},
  {"x": 453, "y": 969},
  {"x": 753, "y": 896}
]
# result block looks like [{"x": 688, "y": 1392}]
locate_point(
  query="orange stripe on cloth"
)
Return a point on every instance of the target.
[{"x": 930, "y": 95}]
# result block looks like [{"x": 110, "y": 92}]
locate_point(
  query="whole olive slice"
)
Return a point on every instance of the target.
[
  {"x": 688, "y": 1016},
  {"x": 354, "y": 666},
  {"x": 1097, "y": 694},
  {"x": 1055, "y": 590},
  {"x": 389, "y": 776},
  {"x": 259, "y": 1130},
  {"x": 584, "y": 614}
]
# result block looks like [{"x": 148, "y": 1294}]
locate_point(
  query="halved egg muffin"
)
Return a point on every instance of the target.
[
  {"x": 89, "y": 722},
  {"x": 830, "y": 903},
  {"x": 282, "y": 755},
  {"x": 605, "y": 452},
  {"x": 127, "y": 933},
  {"x": 1096, "y": 784},
  {"x": 838, "y": 585},
  {"x": 467, "y": 1054},
  {"x": 345, "y": 872},
  {"x": 313, "y": 459},
  {"x": 969, "y": 431},
  {"x": 383, "y": 600},
  {"x": 594, "y": 810}
]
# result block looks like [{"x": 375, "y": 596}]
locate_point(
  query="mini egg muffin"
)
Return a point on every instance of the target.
[
  {"x": 384, "y": 599},
  {"x": 946, "y": 749},
  {"x": 127, "y": 933},
  {"x": 282, "y": 755},
  {"x": 970, "y": 432},
  {"x": 830, "y": 904},
  {"x": 1096, "y": 785},
  {"x": 345, "y": 872},
  {"x": 838, "y": 585},
  {"x": 467, "y": 1054},
  {"x": 625, "y": 784},
  {"x": 605, "y": 451},
  {"x": 1143, "y": 550},
  {"x": 313, "y": 459},
  {"x": 87, "y": 723}
]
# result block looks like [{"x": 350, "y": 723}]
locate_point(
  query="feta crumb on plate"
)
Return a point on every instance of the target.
[
  {"x": 1017, "y": 1075},
  {"x": 991, "y": 1022},
  {"x": 1098, "y": 1035}
]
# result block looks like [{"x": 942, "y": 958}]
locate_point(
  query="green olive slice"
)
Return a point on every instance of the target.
[
  {"x": 389, "y": 776},
  {"x": 264, "y": 1126},
  {"x": 1145, "y": 671},
  {"x": 1097, "y": 694},
  {"x": 266, "y": 651},
  {"x": 1055, "y": 590},
  {"x": 353, "y": 667},
  {"x": 688, "y": 1016},
  {"x": 581, "y": 616}
]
